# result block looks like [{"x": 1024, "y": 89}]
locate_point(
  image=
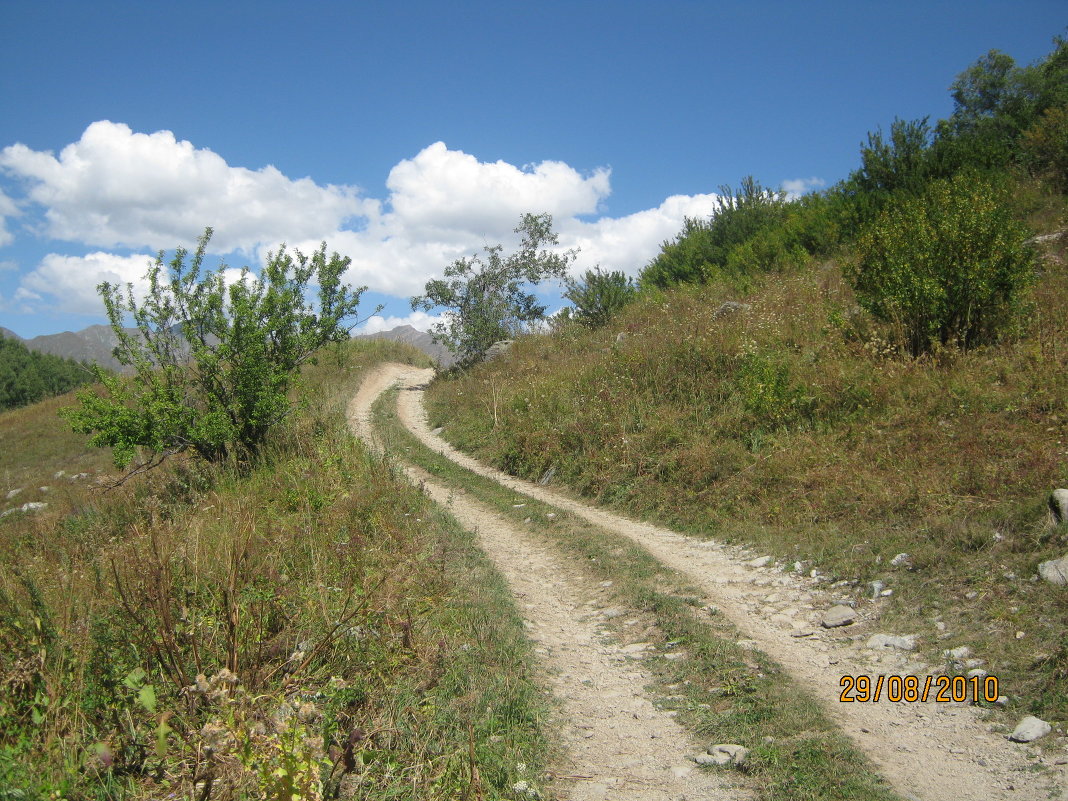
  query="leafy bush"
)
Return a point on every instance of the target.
[
  {"x": 702, "y": 250},
  {"x": 598, "y": 295},
  {"x": 948, "y": 266},
  {"x": 213, "y": 363}
]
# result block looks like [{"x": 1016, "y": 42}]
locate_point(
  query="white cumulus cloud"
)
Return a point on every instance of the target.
[
  {"x": 70, "y": 281},
  {"x": 418, "y": 319},
  {"x": 629, "y": 243},
  {"x": 7, "y": 209},
  {"x": 114, "y": 187},
  {"x": 118, "y": 189}
]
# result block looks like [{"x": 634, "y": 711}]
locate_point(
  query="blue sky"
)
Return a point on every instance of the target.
[{"x": 409, "y": 134}]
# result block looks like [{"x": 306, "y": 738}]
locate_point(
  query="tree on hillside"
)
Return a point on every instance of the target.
[
  {"x": 213, "y": 361},
  {"x": 490, "y": 300}
]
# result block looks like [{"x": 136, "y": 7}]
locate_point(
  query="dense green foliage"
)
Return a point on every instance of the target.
[
  {"x": 949, "y": 266},
  {"x": 27, "y": 376},
  {"x": 490, "y": 300},
  {"x": 709, "y": 248},
  {"x": 213, "y": 363},
  {"x": 598, "y": 295}
]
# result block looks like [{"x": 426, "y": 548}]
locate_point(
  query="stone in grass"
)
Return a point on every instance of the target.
[
  {"x": 724, "y": 754},
  {"x": 840, "y": 615},
  {"x": 761, "y": 561},
  {"x": 905, "y": 642},
  {"x": 901, "y": 559},
  {"x": 1055, "y": 571},
  {"x": 1058, "y": 506},
  {"x": 1029, "y": 729}
]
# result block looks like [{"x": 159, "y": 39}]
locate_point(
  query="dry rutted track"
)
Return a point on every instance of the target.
[
  {"x": 930, "y": 751},
  {"x": 619, "y": 745}
]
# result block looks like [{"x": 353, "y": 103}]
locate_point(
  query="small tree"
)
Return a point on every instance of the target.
[
  {"x": 948, "y": 266},
  {"x": 212, "y": 363},
  {"x": 489, "y": 300},
  {"x": 598, "y": 295}
]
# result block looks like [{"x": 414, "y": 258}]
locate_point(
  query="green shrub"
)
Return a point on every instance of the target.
[
  {"x": 598, "y": 295},
  {"x": 948, "y": 266},
  {"x": 701, "y": 250},
  {"x": 213, "y": 362}
]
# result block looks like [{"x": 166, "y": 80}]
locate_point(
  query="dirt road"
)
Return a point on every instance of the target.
[{"x": 929, "y": 751}]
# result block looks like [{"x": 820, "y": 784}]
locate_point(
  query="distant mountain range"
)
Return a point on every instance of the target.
[{"x": 95, "y": 344}]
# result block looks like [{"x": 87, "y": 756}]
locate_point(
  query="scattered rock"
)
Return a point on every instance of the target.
[
  {"x": 44, "y": 489},
  {"x": 59, "y": 474},
  {"x": 1030, "y": 729},
  {"x": 547, "y": 476},
  {"x": 761, "y": 561},
  {"x": 79, "y": 476},
  {"x": 725, "y": 754},
  {"x": 730, "y": 307},
  {"x": 33, "y": 506},
  {"x": 437, "y": 431},
  {"x": 901, "y": 559},
  {"x": 612, "y": 612},
  {"x": 1058, "y": 506},
  {"x": 1055, "y": 571},
  {"x": 905, "y": 642},
  {"x": 876, "y": 588},
  {"x": 836, "y": 616},
  {"x": 971, "y": 595},
  {"x": 963, "y": 652},
  {"x": 977, "y": 673},
  {"x": 12, "y": 493},
  {"x": 621, "y": 336}
]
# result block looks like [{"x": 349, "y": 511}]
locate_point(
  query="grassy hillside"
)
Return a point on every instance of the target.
[
  {"x": 794, "y": 426},
  {"x": 312, "y": 627}
]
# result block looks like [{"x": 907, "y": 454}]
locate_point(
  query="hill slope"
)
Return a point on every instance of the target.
[{"x": 793, "y": 427}]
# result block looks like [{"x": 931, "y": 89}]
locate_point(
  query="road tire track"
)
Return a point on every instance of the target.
[
  {"x": 619, "y": 745},
  {"x": 929, "y": 752}
]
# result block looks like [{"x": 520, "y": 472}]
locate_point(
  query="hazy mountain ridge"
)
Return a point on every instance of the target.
[{"x": 96, "y": 343}]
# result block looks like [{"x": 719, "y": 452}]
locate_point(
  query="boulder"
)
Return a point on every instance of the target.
[
  {"x": 498, "y": 348},
  {"x": 1058, "y": 506},
  {"x": 840, "y": 615},
  {"x": 1055, "y": 571},
  {"x": 1029, "y": 729}
]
